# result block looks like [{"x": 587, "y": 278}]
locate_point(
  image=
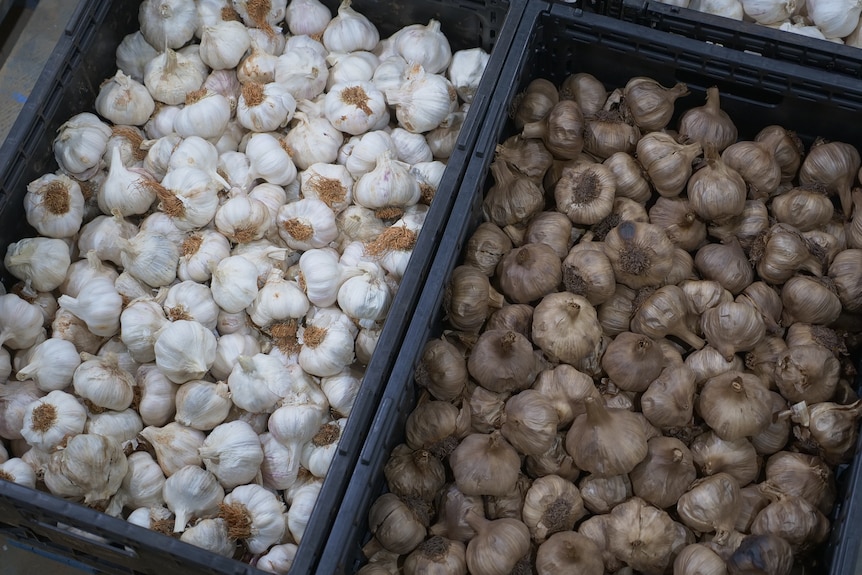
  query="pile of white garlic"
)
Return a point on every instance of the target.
[
  {"x": 836, "y": 21},
  {"x": 217, "y": 254}
]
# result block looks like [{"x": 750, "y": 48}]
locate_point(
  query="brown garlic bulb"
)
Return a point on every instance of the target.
[
  {"x": 709, "y": 362},
  {"x": 752, "y": 500},
  {"x": 551, "y": 228},
  {"x": 805, "y": 208},
  {"x": 625, "y": 209},
  {"x": 591, "y": 363},
  {"x": 586, "y": 90},
  {"x": 585, "y": 193},
  {"x": 794, "y": 519},
  {"x": 667, "y": 162},
  {"x": 700, "y": 295},
  {"x": 569, "y": 552},
  {"x": 640, "y": 253},
  {"x": 732, "y": 327},
  {"x": 834, "y": 429},
  {"x": 552, "y": 504},
  {"x": 725, "y": 263},
  {"x": 467, "y": 298},
  {"x": 485, "y": 464},
  {"x": 775, "y": 437},
  {"x": 595, "y": 528},
  {"x": 846, "y": 273},
  {"x": 555, "y": 461},
  {"x": 669, "y": 400},
  {"x": 606, "y": 132},
  {"x": 807, "y": 373},
  {"x": 761, "y": 554},
  {"x": 711, "y": 504},
  {"x": 437, "y": 556},
  {"x": 716, "y": 191},
  {"x": 593, "y": 443},
  {"x": 442, "y": 370},
  {"x": 802, "y": 475},
  {"x": 587, "y": 272},
  {"x": 682, "y": 268},
  {"x": 529, "y": 272},
  {"x": 698, "y": 559},
  {"x": 535, "y": 102},
  {"x": 416, "y": 474},
  {"x": 486, "y": 408},
  {"x": 746, "y": 227},
  {"x": 561, "y": 130},
  {"x": 516, "y": 317},
  {"x": 853, "y": 228},
  {"x": 824, "y": 246},
  {"x": 664, "y": 313},
  {"x": 510, "y": 504},
  {"x": 565, "y": 327},
  {"x": 712, "y": 454},
  {"x": 452, "y": 507},
  {"x": 645, "y": 537},
  {"x": 615, "y": 313},
  {"x": 735, "y": 405},
  {"x": 650, "y": 103},
  {"x": 436, "y": 426},
  {"x": 632, "y": 361},
  {"x": 833, "y": 165},
  {"x": 666, "y": 472},
  {"x": 766, "y": 300},
  {"x": 756, "y": 164},
  {"x": 527, "y": 155},
  {"x": 708, "y": 125},
  {"x": 601, "y": 494},
  {"x": 398, "y": 524},
  {"x": 498, "y": 546},
  {"x": 566, "y": 388},
  {"x": 679, "y": 222},
  {"x": 513, "y": 198},
  {"x": 502, "y": 361},
  {"x": 809, "y": 300},
  {"x": 629, "y": 176},
  {"x": 786, "y": 147},
  {"x": 530, "y": 423},
  {"x": 486, "y": 247},
  {"x": 781, "y": 253}
]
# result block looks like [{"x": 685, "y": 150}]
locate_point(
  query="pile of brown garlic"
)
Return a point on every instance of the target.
[{"x": 644, "y": 365}]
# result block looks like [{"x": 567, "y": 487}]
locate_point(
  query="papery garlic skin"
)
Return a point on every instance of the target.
[
  {"x": 270, "y": 160},
  {"x": 43, "y": 261},
  {"x": 80, "y": 143},
  {"x": 465, "y": 71},
  {"x": 365, "y": 296},
  {"x": 185, "y": 350},
  {"x": 318, "y": 453},
  {"x": 171, "y": 75},
  {"x": 199, "y": 252},
  {"x": 223, "y": 44},
  {"x": 349, "y": 30},
  {"x": 150, "y": 257},
  {"x": 211, "y": 535},
  {"x": 355, "y": 107},
  {"x": 423, "y": 101},
  {"x": 18, "y": 471},
  {"x": 191, "y": 301},
  {"x": 307, "y": 17},
  {"x": 327, "y": 340},
  {"x": 302, "y": 71},
  {"x": 141, "y": 487},
  {"x": 280, "y": 464},
  {"x": 51, "y": 365},
  {"x": 123, "y": 100},
  {"x": 306, "y": 224},
  {"x": 234, "y": 284},
  {"x": 100, "y": 235},
  {"x": 20, "y": 322},
  {"x": 92, "y": 466},
  {"x": 54, "y": 205},
  {"x": 140, "y": 323},
  {"x": 265, "y": 107},
  {"x": 192, "y": 492},
  {"x": 258, "y": 382},
  {"x": 52, "y": 419},
  {"x": 169, "y": 23},
  {"x": 99, "y": 305},
  {"x": 834, "y": 18},
  {"x": 322, "y": 275},
  {"x": 232, "y": 452},
  {"x": 133, "y": 53},
  {"x": 156, "y": 403},
  {"x": 263, "y": 516},
  {"x": 228, "y": 348},
  {"x": 203, "y": 405},
  {"x": 312, "y": 140},
  {"x": 205, "y": 115},
  {"x": 769, "y": 11}
]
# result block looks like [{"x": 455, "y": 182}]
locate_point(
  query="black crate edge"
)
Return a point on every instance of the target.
[{"x": 684, "y": 59}]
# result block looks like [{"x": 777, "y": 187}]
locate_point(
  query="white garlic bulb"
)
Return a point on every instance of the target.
[
  {"x": 133, "y": 53},
  {"x": 176, "y": 446},
  {"x": 116, "y": 347},
  {"x": 15, "y": 398},
  {"x": 236, "y": 169},
  {"x": 264, "y": 16},
  {"x": 125, "y": 101},
  {"x": 192, "y": 493},
  {"x": 265, "y": 256},
  {"x": 18, "y": 471},
  {"x": 304, "y": 499},
  {"x": 423, "y": 101},
  {"x": 351, "y": 67},
  {"x": 202, "y": 404},
  {"x": 171, "y": 75},
  {"x": 234, "y": 283},
  {"x": 5, "y": 365},
  {"x": 99, "y": 305},
  {"x": 330, "y": 183},
  {"x": 242, "y": 219},
  {"x": 318, "y": 453},
  {"x": 341, "y": 390},
  {"x": 161, "y": 223},
  {"x": 366, "y": 342},
  {"x": 327, "y": 343},
  {"x": 228, "y": 348},
  {"x": 258, "y": 382},
  {"x": 100, "y": 235},
  {"x": 150, "y": 257},
  {"x": 727, "y": 8},
  {"x": 769, "y": 11},
  {"x": 67, "y": 326},
  {"x": 83, "y": 271},
  {"x": 302, "y": 71},
  {"x": 365, "y": 295},
  {"x": 223, "y": 44},
  {"x": 365, "y": 152},
  {"x": 160, "y": 148},
  {"x": 52, "y": 419},
  {"x": 409, "y": 147},
  {"x": 355, "y": 107},
  {"x": 123, "y": 426},
  {"x": 199, "y": 252},
  {"x": 141, "y": 487},
  {"x": 156, "y": 518},
  {"x": 43, "y": 261},
  {"x": 232, "y": 452},
  {"x": 54, "y": 205},
  {"x": 127, "y": 191},
  {"x": 140, "y": 322},
  {"x": 278, "y": 300},
  {"x": 255, "y": 515},
  {"x": 424, "y": 45},
  {"x": 349, "y": 30},
  {"x": 322, "y": 275},
  {"x": 278, "y": 559},
  {"x": 169, "y": 23},
  {"x": 258, "y": 66},
  {"x": 80, "y": 144},
  {"x": 205, "y": 114},
  {"x": 265, "y": 107},
  {"x": 306, "y": 224},
  {"x": 212, "y": 535},
  {"x": 280, "y": 464},
  {"x": 390, "y": 73},
  {"x": 466, "y": 69},
  {"x": 51, "y": 365},
  {"x": 189, "y": 196},
  {"x": 92, "y": 466},
  {"x": 835, "y": 18},
  {"x": 270, "y": 159},
  {"x": 443, "y": 138},
  {"x": 229, "y": 323},
  {"x": 192, "y": 301},
  {"x": 389, "y": 184},
  {"x": 102, "y": 382},
  {"x": 312, "y": 140},
  {"x": 185, "y": 350},
  {"x": 307, "y": 17},
  {"x": 157, "y": 395}
]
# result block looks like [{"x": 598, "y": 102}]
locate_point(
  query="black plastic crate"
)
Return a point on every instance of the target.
[
  {"x": 83, "y": 58},
  {"x": 556, "y": 40},
  {"x": 743, "y": 36}
]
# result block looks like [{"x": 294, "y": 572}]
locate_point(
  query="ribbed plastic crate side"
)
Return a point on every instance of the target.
[
  {"x": 738, "y": 35},
  {"x": 570, "y": 41}
]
